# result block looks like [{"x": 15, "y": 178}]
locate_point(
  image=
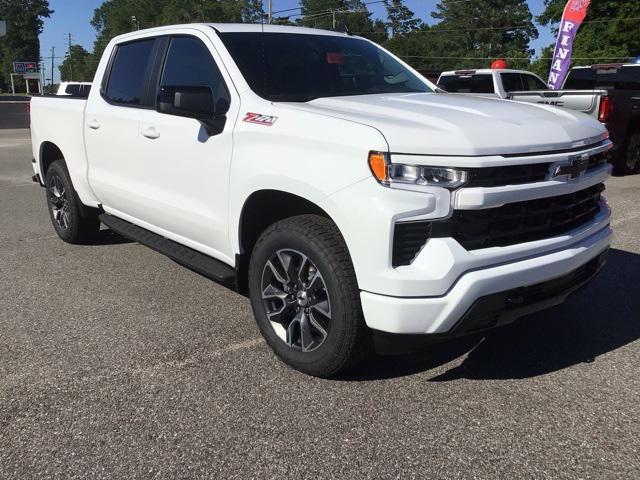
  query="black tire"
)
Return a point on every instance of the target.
[
  {"x": 347, "y": 340},
  {"x": 628, "y": 161},
  {"x": 65, "y": 208}
]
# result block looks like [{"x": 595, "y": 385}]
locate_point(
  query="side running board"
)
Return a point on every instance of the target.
[{"x": 198, "y": 262}]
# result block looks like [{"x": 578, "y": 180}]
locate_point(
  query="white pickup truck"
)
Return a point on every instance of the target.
[
  {"x": 314, "y": 171},
  {"x": 521, "y": 86}
]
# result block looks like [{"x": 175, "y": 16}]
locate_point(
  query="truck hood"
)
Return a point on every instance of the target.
[{"x": 444, "y": 124}]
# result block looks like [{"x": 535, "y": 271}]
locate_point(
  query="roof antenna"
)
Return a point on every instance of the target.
[{"x": 344, "y": 29}]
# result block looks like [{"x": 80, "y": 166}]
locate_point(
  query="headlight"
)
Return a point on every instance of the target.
[{"x": 398, "y": 175}]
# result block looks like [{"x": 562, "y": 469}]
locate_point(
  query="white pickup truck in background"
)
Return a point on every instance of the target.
[
  {"x": 357, "y": 206},
  {"x": 521, "y": 86},
  {"x": 74, "y": 89},
  {"x": 607, "y": 92}
]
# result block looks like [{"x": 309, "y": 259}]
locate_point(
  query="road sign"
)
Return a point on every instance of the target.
[
  {"x": 25, "y": 67},
  {"x": 3, "y": 28}
]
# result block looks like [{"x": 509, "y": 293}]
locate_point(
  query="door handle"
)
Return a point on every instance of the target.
[
  {"x": 93, "y": 124},
  {"x": 151, "y": 132}
]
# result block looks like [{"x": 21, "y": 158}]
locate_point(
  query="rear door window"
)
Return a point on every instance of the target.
[
  {"x": 531, "y": 82},
  {"x": 129, "y": 71},
  {"x": 511, "y": 82},
  {"x": 480, "y": 83}
]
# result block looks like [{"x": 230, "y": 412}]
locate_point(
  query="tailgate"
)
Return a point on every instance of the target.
[{"x": 585, "y": 101}]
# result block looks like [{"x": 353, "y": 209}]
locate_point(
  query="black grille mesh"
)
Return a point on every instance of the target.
[
  {"x": 408, "y": 239},
  {"x": 510, "y": 175},
  {"x": 519, "y": 174},
  {"x": 521, "y": 222}
]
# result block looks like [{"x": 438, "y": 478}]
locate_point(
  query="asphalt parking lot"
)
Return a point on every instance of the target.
[
  {"x": 13, "y": 112},
  {"x": 116, "y": 362}
]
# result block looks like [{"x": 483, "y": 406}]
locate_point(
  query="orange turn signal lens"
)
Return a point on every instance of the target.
[{"x": 378, "y": 166}]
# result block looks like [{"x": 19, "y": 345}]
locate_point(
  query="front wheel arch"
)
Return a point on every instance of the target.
[{"x": 262, "y": 209}]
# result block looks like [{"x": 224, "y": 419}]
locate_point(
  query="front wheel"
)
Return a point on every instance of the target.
[{"x": 305, "y": 296}]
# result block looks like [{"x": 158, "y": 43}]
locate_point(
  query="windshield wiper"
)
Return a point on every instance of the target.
[{"x": 292, "y": 98}]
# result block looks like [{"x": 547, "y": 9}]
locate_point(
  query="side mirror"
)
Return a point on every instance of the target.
[{"x": 192, "y": 102}]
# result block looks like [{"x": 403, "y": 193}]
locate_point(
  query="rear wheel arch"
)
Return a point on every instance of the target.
[{"x": 49, "y": 153}]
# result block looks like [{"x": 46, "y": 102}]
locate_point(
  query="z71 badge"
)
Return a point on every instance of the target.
[{"x": 259, "y": 119}]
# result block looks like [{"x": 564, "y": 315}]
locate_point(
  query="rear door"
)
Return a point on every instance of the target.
[
  {"x": 185, "y": 170},
  {"x": 111, "y": 128}
]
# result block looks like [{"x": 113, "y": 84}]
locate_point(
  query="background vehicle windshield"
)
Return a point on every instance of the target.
[
  {"x": 301, "y": 67},
  {"x": 625, "y": 78}
]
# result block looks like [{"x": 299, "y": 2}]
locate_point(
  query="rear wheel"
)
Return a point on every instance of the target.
[
  {"x": 305, "y": 296},
  {"x": 629, "y": 162},
  {"x": 65, "y": 207}
]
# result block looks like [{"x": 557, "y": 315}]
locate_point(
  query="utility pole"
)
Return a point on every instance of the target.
[
  {"x": 53, "y": 56},
  {"x": 53, "y": 59},
  {"x": 333, "y": 18},
  {"x": 270, "y": 11},
  {"x": 42, "y": 75},
  {"x": 70, "y": 59}
]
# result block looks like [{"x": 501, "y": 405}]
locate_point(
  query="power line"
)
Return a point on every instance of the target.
[
  {"x": 512, "y": 58},
  {"x": 511, "y": 27},
  {"x": 328, "y": 11}
]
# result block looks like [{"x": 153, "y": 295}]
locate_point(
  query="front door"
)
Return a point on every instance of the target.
[{"x": 187, "y": 169}]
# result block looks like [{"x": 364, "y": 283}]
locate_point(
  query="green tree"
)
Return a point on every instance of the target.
[
  {"x": 609, "y": 32},
  {"x": 115, "y": 17},
  {"x": 77, "y": 65},
  {"x": 327, "y": 14},
  {"x": 480, "y": 31},
  {"x": 24, "y": 24},
  {"x": 400, "y": 19},
  {"x": 418, "y": 48}
]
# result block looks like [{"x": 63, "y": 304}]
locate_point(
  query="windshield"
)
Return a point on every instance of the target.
[
  {"x": 293, "y": 67},
  {"x": 625, "y": 78}
]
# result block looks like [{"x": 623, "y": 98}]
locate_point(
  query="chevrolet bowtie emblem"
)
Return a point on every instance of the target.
[{"x": 576, "y": 167}]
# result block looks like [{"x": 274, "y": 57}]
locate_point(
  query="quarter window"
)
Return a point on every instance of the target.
[{"x": 126, "y": 81}]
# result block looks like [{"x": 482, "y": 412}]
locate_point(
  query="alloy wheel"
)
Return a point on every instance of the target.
[
  {"x": 633, "y": 154},
  {"x": 296, "y": 300},
  {"x": 59, "y": 201}
]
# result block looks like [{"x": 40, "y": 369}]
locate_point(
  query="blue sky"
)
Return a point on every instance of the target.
[{"x": 73, "y": 16}]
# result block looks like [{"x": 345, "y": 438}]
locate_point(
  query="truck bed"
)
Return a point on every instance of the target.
[
  {"x": 585, "y": 101},
  {"x": 59, "y": 120}
]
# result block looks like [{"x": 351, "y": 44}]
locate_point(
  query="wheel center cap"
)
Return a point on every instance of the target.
[{"x": 303, "y": 298}]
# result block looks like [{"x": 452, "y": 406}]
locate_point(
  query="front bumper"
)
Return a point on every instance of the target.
[{"x": 442, "y": 314}]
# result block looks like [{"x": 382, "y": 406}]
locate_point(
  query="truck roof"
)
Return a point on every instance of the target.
[
  {"x": 230, "y": 27},
  {"x": 253, "y": 27},
  {"x": 606, "y": 65},
  {"x": 471, "y": 71}
]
